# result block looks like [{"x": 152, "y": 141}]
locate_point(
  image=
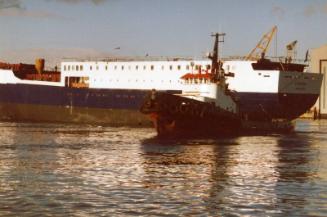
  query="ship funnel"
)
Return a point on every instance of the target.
[{"x": 39, "y": 65}]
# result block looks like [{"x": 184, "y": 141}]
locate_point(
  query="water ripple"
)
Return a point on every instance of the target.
[{"x": 81, "y": 170}]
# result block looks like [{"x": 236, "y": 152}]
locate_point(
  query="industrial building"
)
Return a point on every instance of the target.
[{"x": 318, "y": 64}]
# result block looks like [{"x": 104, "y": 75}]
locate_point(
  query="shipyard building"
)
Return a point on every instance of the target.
[{"x": 318, "y": 64}]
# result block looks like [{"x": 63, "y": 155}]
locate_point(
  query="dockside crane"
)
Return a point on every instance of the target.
[{"x": 262, "y": 46}]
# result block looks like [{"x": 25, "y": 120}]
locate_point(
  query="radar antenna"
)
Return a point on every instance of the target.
[{"x": 291, "y": 51}]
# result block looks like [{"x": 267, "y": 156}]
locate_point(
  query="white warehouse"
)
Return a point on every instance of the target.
[{"x": 318, "y": 64}]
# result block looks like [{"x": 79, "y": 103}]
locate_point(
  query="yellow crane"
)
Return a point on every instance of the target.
[{"x": 262, "y": 46}]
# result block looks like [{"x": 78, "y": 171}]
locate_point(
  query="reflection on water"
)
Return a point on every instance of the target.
[{"x": 60, "y": 170}]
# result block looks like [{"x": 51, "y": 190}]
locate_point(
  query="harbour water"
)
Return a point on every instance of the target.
[{"x": 73, "y": 170}]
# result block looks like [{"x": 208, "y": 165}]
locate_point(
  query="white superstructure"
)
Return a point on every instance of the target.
[
  {"x": 161, "y": 75},
  {"x": 165, "y": 75}
]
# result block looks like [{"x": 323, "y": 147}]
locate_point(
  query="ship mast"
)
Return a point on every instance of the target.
[{"x": 216, "y": 65}]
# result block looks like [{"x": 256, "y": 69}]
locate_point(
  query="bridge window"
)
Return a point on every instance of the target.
[
  {"x": 65, "y": 67},
  {"x": 171, "y": 67},
  {"x": 77, "y": 68},
  {"x": 152, "y": 67},
  {"x": 122, "y": 67},
  {"x": 91, "y": 68},
  {"x": 144, "y": 67},
  {"x": 115, "y": 67},
  {"x": 162, "y": 67},
  {"x": 187, "y": 67},
  {"x": 179, "y": 67},
  {"x": 137, "y": 67},
  {"x": 81, "y": 67}
]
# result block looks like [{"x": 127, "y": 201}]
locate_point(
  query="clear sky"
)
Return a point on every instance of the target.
[{"x": 56, "y": 29}]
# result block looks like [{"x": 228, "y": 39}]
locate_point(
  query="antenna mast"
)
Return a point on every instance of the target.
[{"x": 216, "y": 65}]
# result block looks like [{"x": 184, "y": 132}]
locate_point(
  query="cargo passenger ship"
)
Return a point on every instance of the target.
[{"x": 111, "y": 92}]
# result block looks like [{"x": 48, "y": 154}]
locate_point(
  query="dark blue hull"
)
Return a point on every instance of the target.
[
  {"x": 76, "y": 97},
  {"x": 267, "y": 106},
  {"x": 25, "y": 102}
]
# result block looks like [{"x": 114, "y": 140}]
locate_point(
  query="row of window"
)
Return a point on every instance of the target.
[
  {"x": 197, "y": 81},
  {"x": 136, "y": 80},
  {"x": 106, "y": 95},
  {"x": 170, "y": 67},
  {"x": 73, "y": 68},
  {"x": 137, "y": 67}
]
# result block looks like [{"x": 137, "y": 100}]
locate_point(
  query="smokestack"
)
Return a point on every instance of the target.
[{"x": 39, "y": 65}]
